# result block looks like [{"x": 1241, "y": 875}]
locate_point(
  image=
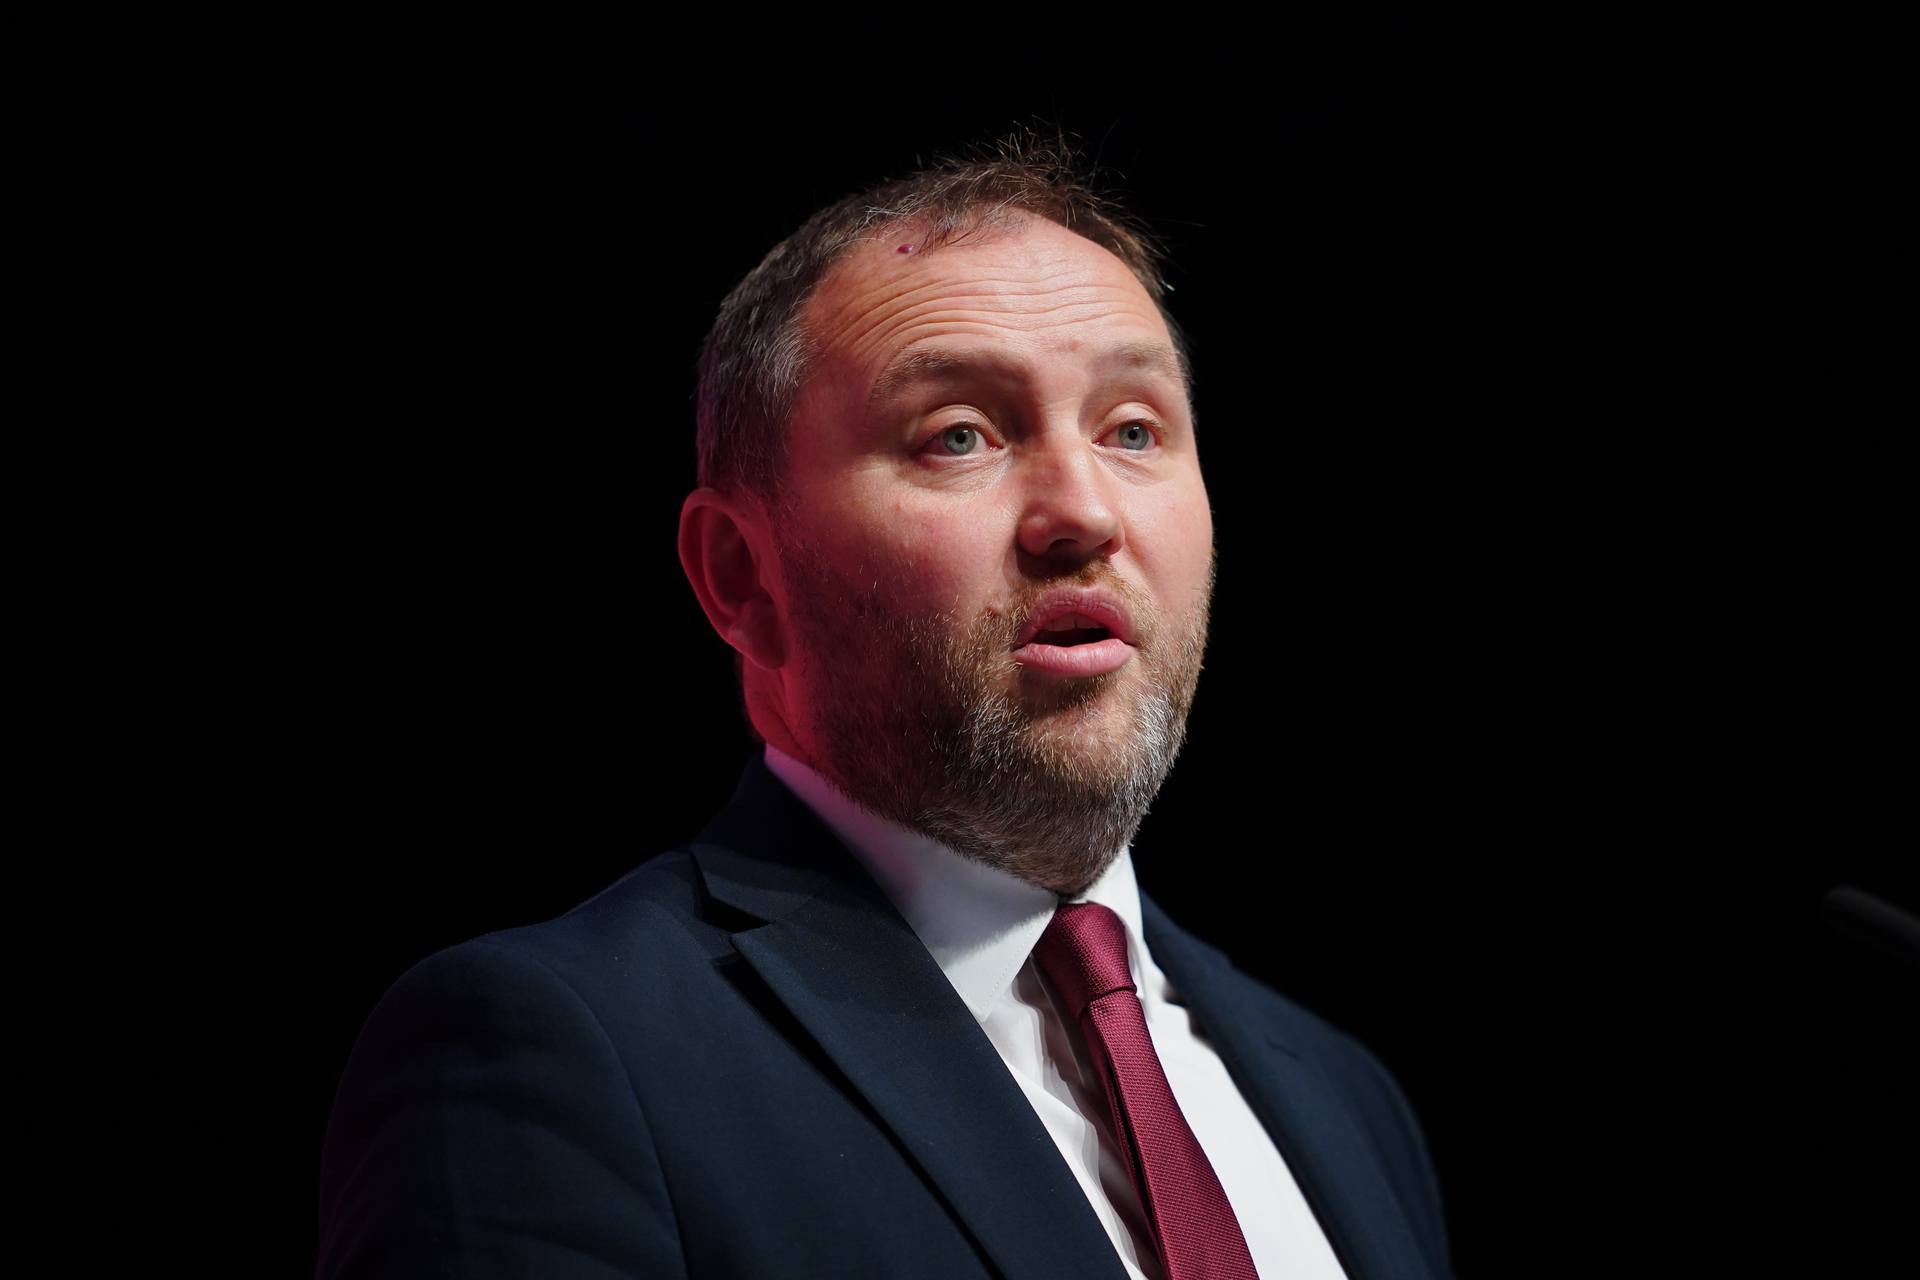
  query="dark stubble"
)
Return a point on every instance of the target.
[{"x": 925, "y": 719}]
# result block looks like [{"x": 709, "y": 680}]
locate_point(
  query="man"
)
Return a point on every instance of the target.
[{"x": 901, "y": 1009}]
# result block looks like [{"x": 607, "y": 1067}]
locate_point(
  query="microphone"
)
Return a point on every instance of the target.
[{"x": 1877, "y": 923}]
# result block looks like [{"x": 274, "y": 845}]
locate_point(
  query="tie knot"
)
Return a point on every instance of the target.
[{"x": 1084, "y": 954}]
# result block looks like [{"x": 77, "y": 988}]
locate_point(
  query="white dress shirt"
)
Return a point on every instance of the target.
[{"x": 981, "y": 924}]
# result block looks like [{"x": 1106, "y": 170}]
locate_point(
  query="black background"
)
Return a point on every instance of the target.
[{"x": 1547, "y": 689}]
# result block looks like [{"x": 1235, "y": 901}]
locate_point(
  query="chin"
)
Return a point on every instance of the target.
[{"x": 1091, "y": 693}]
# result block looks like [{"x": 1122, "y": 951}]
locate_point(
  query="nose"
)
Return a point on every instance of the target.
[{"x": 1070, "y": 511}]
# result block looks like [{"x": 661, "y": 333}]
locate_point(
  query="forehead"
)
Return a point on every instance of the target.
[{"x": 1034, "y": 285}]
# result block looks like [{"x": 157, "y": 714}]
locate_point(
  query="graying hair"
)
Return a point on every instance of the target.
[{"x": 757, "y": 355}]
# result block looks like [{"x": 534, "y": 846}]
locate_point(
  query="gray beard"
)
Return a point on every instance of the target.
[{"x": 912, "y": 719}]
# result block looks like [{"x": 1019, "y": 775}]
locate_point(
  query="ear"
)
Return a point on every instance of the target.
[{"x": 726, "y": 551}]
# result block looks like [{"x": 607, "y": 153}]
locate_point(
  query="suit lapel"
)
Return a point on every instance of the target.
[
  {"x": 851, "y": 970},
  {"x": 1322, "y": 1143}
]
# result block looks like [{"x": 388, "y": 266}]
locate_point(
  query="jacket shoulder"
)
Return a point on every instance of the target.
[
  {"x": 488, "y": 1120},
  {"x": 657, "y": 914},
  {"x": 486, "y": 1125}
]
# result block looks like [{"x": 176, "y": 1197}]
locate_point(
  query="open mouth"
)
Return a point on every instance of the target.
[
  {"x": 1073, "y": 634},
  {"x": 1073, "y": 645},
  {"x": 1067, "y": 637}
]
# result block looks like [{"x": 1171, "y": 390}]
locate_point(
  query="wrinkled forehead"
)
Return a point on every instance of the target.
[{"x": 1000, "y": 281}]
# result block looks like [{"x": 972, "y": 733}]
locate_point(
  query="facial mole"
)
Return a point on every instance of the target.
[{"x": 905, "y": 248}]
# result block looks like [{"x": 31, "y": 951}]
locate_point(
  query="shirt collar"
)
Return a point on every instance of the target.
[{"x": 979, "y": 923}]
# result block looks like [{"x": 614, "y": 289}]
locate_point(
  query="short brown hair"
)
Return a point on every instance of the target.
[{"x": 757, "y": 355}]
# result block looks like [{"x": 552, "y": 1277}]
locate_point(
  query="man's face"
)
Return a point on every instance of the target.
[{"x": 987, "y": 424}]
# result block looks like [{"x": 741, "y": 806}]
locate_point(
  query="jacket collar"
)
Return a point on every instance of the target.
[
  {"x": 848, "y": 966},
  {"x": 980, "y": 923}
]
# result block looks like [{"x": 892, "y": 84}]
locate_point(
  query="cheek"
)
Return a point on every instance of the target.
[
  {"x": 914, "y": 559},
  {"x": 945, "y": 560},
  {"x": 1174, "y": 535},
  {"x": 1176, "y": 513}
]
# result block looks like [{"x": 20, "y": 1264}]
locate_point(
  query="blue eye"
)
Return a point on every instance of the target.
[
  {"x": 958, "y": 441},
  {"x": 1138, "y": 436}
]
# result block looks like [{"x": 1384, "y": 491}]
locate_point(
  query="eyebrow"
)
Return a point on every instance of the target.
[{"x": 918, "y": 365}]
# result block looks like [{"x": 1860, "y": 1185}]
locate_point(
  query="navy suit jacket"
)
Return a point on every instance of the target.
[{"x": 739, "y": 1060}]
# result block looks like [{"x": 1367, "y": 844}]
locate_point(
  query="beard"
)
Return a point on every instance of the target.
[{"x": 925, "y": 719}]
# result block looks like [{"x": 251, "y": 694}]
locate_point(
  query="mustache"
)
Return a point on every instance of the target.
[{"x": 1096, "y": 575}]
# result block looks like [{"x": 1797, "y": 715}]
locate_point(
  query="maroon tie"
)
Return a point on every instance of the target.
[{"x": 1084, "y": 955}]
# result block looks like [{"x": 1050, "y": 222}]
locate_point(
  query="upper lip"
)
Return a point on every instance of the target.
[{"x": 1100, "y": 606}]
